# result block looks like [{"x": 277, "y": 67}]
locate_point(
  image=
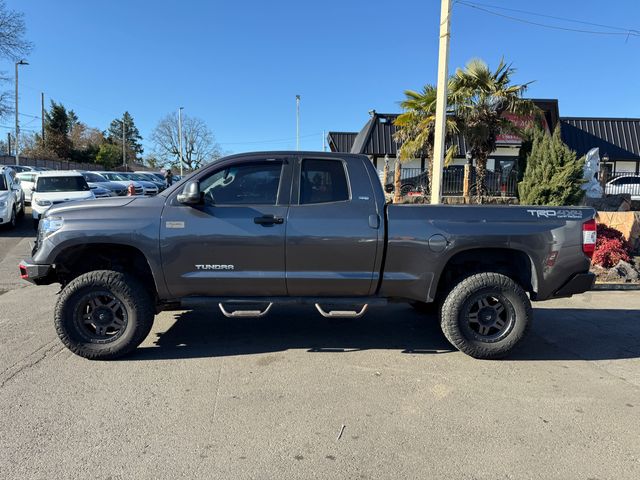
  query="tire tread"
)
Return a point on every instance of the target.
[
  {"x": 133, "y": 294},
  {"x": 455, "y": 299}
]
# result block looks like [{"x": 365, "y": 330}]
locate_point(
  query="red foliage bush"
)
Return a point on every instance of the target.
[{"x": 611, "y": 247}]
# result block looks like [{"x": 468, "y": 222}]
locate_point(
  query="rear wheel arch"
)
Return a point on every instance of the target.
[{"x": 513, "y": 263}]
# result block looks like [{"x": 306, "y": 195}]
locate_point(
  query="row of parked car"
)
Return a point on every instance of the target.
[{"x": 43, "y": 188}]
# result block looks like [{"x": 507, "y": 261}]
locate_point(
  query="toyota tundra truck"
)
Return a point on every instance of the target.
[{"x": 253, "y": 230}]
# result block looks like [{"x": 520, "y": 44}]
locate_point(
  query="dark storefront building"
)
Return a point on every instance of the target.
[{"x": 617, "y": 138}]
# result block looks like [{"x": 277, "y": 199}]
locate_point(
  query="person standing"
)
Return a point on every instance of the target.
[{"x": 168, "y": 177}]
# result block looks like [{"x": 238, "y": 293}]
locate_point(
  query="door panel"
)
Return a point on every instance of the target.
[
  {"x": 331, "y": 245},
  {"x": 229, "y": 245}
]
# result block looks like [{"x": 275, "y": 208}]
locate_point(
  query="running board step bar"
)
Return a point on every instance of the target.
[
  {"x": 250, "y": 302},
  {"x": 342, "y": 313},
  {"x": 244, "y": 313}
]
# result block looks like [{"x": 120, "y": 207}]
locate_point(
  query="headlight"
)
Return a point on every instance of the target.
[
  {"x": 50, "y": 225},
  {"x": 3, "y": 204},
  {"x": 43, "y": 203}
]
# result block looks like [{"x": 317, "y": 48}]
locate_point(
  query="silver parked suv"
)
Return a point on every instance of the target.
[{"x": 11, "y": 197}]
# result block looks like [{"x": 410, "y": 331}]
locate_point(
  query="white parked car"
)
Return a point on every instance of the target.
[
  {"x": 27, "y": 181},
  {"x": 11, "y": 197},
  {"x": 625, "y": 184},
  {"x": 56, "y": 187}
]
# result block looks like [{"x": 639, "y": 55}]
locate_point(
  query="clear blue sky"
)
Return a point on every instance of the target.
[{"x": 239, "y": 64}]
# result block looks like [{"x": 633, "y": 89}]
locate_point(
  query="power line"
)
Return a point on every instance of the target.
[
  {"x": 498, "y": 7},
  {"x": 12, "y": 127},
  {"x": 626, "y": 32}
]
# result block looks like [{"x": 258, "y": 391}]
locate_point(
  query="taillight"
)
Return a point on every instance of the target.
[{"x": 589, "y": 237}]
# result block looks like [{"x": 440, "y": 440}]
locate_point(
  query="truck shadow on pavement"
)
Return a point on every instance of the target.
[{"x": 557, "y": 334}]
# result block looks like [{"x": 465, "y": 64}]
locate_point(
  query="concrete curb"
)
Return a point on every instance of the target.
[{"x": 615, "y": 286}]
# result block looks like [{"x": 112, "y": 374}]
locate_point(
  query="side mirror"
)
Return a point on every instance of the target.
[
  {"x": 190, "y": 194},
  {"x": 388, "y": 188}
]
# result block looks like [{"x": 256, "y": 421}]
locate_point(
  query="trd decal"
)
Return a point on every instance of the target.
[{"x": 571, "y": 214}]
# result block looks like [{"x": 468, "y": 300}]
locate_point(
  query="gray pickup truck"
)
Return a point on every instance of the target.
[{"x": 253, "y": 230}]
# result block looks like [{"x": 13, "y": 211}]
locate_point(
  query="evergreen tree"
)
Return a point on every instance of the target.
[
  {"x": 553, "y": 175},
  {"x": 132, "y": 135},
  {"x": 109, "y": 155},
  {"x": 72, "y": 120},
  {"x": 57, "y": 131}
]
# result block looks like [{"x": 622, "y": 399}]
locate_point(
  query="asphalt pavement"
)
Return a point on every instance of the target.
[{"x": 293, "y": 395}]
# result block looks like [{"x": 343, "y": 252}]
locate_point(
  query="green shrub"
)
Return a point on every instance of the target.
[{"x": 553, "y": 174}]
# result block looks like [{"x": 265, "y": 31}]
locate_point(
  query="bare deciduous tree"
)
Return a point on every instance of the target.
[
  {"x": 13, "y": 46},
  {"x": 198, "y": 142}
]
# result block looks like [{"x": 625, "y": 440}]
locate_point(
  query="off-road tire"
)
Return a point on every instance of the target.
[
  {"x": 454, "y": 316},
  {"x": 130, "y": 292}
]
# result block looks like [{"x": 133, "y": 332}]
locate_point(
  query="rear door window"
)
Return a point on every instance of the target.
[{"x": 323, "y": 181}]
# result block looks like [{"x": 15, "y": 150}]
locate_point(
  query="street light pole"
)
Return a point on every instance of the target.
[
  {"x": 42, "y": 116},
  {"x": 441, "y": 104},
  {"x": 180, "y": 136},
  {"x": 124, "y": 149},
  {"x": 21, "y": 62},
  {"x": 297, "y": 122}
]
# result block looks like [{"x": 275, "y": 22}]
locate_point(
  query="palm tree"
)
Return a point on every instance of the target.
[
  {"x": 416, "y": 128},
  {"x": 480, "y": 98}
]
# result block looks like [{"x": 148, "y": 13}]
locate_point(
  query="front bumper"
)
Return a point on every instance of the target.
[
  {"x": 35, "y": 273},
  {"x": 579, "y": 283}
]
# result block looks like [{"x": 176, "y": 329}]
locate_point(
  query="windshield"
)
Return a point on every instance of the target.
[
  {"x": 113, "y": 176},
  {"x": 62, "y": 184},
  {"x": 153, "y": 177},
  {"x": 93, "y": 177},
  {"x": 149, "y": 176},
  {"x": 133, "y": 176}
]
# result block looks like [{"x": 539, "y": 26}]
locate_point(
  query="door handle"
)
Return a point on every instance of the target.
[{"x": 268, "y": 220}]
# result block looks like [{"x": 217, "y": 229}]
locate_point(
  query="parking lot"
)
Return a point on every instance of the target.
[{"x": 294, "y": 395}]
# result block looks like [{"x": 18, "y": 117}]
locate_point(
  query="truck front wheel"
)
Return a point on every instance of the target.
[
  {"x": 486, "y": 315},
  {"x": 103, "y": 314}
]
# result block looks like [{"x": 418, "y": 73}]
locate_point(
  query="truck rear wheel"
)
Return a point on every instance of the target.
[
  {"x": 103, "y": 314},
  {"x": 486, "y": 315}
]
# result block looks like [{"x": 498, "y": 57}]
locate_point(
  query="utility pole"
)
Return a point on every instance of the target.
[
  {"x": 124, "y": 144},
  {"x": 297, "y": 122},
  {"x": 441, "y": 104},
  {"x": 9, "y": 144},
  {"x": 180, "y": 136},
  {"x": 21, "y": 62},
  {"x": 42, "y": 115}
]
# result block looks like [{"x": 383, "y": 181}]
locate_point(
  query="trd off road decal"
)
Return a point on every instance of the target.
[{"x": 570, "y": 214}]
